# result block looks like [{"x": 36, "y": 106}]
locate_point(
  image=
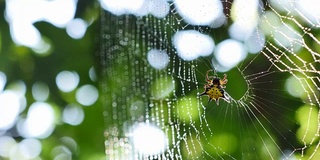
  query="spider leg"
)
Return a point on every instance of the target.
[
  {"x": 224, "y": 76},
  {"x": 207, "y": 78},
  {"x": 207, "y": 73},
  {"x": 224, "y": 80},
  {"x": 209, "y": 100},
  {"x": 202, "y": 93},
  {"x": 217, "y": 101}
]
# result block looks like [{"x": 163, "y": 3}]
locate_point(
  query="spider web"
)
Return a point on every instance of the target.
[{"x": 274, "y": 108}]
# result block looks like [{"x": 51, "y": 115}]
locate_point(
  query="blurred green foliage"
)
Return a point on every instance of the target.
[{"x": 22, "y": 63}]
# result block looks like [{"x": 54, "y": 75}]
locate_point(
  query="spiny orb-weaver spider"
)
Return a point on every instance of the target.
[{"x": 214, "y": 88}]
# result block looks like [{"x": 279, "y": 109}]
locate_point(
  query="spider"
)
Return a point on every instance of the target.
[{"x": 214, "y": 88}]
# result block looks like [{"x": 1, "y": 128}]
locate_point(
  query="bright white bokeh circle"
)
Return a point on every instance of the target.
[
  {"x": 158, "y": 8},
  {"x": 93, "y": 74},
  {"x": 30, "y": 148},
  {"x": 158, "y": 59},
  {"x": 191, "y": 44},
  {"x": 149, "y": 139},
  {"x": 3, "y": 80},
  {"x": 9, "y": 109},
  {"x": 21, "y": 15},
  {"x": 76, "y": 28},
  {"x": 293, "y": 87},
  {"x": 255, "y": 42},
  {"x": 310, "y": 10},
  {"x": 229, "y": 53},
  {"x": 39, "y": 122},
  {"x": 67, "y": 81},
  {"x": 73, "y": 114},
  {"x": 119, "y": 7},
  {"x": 87, "y": 95},
  {"x": 6, "y": 145},
  {"x": 202, "y": 12},
  {"x": 40, "y": 91}
]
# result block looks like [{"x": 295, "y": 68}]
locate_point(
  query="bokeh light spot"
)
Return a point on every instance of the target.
[
  {"x": 6, "y": 144},
  {"x": 158, "y": 59},
  {"x": 199, "y": 12},
  {"x": 9, "y": 109},
  {"x": 40, "y": 91},
  {"x": 60, "y": 12},
  {"x": 285, "y": 36},
  {"x": 148, "y": 139},
  {"x": 93, "y": 74},
  {"x": 67, "y": 81},
  {"x": 268, "y": 22},
  {"x": 21, "y": 15},
  {"x": 294, "y": 87},
  {"x": 87, "y": 95},
  {"x": 229, "y": 53},
  {"x": 73, "y": 114},
  {"x": 3, "y": 81},
  {"x": 310, "y": 8},
  {"x": 18, "y": 87},
  {"x": 255, "y": 42},
  {"x": 245, "y": 15},
  {"x": 76, "y": 28},
  {"x": 158, "y": 8},
  {"x": 192, "y": 44},
  {"x": 307, "y": 117},
  {"x": 119, "y": 7},
  {"x": 63, "y": 156},
  {"x": 61, "y": 153},
  {"x": 30, "y": 148},
  {"x": 39, "y": 122},
  {"x": 70, "y": 143},
  {"x": 43, "y": 48},
  {"x": 25, "y": 34}
]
